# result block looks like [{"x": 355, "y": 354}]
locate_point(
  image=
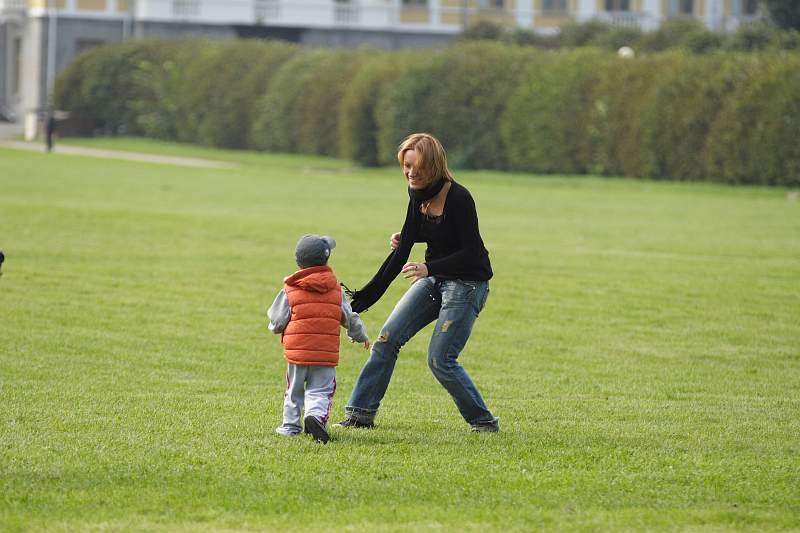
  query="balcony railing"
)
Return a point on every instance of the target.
[
  {"x": 345, "y": 13},
  {"x": 186, "y": 8},
  {"x": 267, "y": 10},
  {"x": 444, "y": 17},
  {"x": 627, "y": 19}
]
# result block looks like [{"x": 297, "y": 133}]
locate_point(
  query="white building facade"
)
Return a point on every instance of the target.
[{"x": 39, "y": 38}]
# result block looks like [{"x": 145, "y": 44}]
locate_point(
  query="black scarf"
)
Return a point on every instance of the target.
[{"x": 423, "y": 195}]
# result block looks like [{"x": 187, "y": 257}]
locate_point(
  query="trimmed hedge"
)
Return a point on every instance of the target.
[
  {"x": 194, "y": 91},
  {"x": 755, "y": 138},
  {"x": 456, "y": 94},
  {"x": 732, "y": 117},
  {"x": 106, "y": 86},
  {"x": 684, "y": 108},
  {"x": 675, "y": 34},
  {"x": 624, "y": 97},
  {"x": 223, "y": 88},
  {"x": 547, "y": 126},
  {"x": 299, "y": 112},
  {"x": 358, "y": 114}
]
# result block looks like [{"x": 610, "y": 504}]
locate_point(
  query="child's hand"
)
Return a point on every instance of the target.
[{"x": 365, "y": 343}]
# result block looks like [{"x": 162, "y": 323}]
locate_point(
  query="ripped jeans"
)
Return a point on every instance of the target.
[{"x": 455, "y": 305}]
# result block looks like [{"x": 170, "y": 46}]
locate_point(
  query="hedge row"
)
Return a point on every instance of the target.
[
  {"x": 722, "y": 117},
  {"x": 685, "y": 34}
]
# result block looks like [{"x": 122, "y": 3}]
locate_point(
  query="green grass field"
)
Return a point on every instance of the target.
[{"x": 641, "y": 345}]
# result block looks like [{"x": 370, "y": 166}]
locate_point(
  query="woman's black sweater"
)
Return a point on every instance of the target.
[{"x": 455, "y": 248}]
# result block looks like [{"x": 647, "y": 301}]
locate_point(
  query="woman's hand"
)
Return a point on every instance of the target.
[
  {"x": 394, "y": 241},
  {"x": 414, "y": 271}
]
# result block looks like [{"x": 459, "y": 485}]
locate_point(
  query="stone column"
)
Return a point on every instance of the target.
[
  {"x": 525, "y": 14},
  {"x": 33, "y": 73},
  {"x": 435, "y": 8}
]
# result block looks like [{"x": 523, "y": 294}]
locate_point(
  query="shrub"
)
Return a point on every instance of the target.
[
  {"x": 164, "y": 114},
  {"x": 399, "y": 109},
  {"x": 755, "y": 138},
  {"x": 753, "y": 37},
  {"x": 616, "y": 37},
  {"x": 703, "y": 42},
  {"x": 223, "y": 86},
  {"x": 623, "y": 95},
  {"x": 101, "y": 87},
  {"x": 674, "y": 33},
  {"x": 300, "y": 110},
  {"x": 573, "y": 35},
  {"x": 458, "y": 95},
  {"x": 278, "y": 111},
  {"x": 683, "y": 109},
  {"x": 524, "y": 37},
  {"x": 482, "y": 30},
  {"x": 358, "y": 119},
  {"x": 319, "y": 125},
  {"x": 546, "y": 126},
  {"x": 732, "y": 117}
]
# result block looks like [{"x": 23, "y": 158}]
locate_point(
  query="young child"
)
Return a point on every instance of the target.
[{"x": 308, "y": 312}]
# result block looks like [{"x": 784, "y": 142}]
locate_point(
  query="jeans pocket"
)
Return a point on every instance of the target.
[
  {"x": 468, "y": 285},
  {"x": 483, "y": 298}
]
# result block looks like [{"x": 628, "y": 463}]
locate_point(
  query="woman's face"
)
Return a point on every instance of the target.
[{"x": 415, "y": 179}]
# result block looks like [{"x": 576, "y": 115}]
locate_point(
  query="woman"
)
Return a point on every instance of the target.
[{"x": 450, "y": 287}]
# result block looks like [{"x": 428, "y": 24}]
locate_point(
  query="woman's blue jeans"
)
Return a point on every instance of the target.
[{"x": 454, "y": 305}]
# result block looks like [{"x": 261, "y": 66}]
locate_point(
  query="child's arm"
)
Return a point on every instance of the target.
[
  {"x": 350, "y": 320},
  {"x": 279, "y": 313}
]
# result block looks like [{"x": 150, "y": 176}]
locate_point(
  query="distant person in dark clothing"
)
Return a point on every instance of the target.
[
  {"x": 449, "y": 288},
  {"x": 50, "y": 130}
]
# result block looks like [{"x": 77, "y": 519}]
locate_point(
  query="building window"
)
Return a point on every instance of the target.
[
  {"x": 686, "y": 7},
  {"x": 345, "y": 12},
  {"x": 186, "y": 8},
  {"x": 618, "y": 5},
  {"x": 415, "y": 3},
  {"x": 750, "y": 7},
  {"x": 554, "y": 6},
  {"x": 267, "y": 10},
  {"x": 492, "y": 4}
]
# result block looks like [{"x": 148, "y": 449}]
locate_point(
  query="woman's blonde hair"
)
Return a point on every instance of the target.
[{"x": 431, "y": 159}]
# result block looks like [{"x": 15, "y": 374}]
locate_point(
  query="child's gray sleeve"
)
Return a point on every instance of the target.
[
  {"x": 352, "y": 322},
  {"x": 279, "y": 313}
]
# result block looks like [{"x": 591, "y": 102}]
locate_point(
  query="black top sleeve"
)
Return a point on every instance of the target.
[{"x": 372, "y": 291}]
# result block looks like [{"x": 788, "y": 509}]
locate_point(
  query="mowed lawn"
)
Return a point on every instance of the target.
[{"x": 641, "y": 345}]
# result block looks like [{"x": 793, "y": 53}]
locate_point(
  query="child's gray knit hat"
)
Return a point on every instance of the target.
[{"x": 313, "y": 250}]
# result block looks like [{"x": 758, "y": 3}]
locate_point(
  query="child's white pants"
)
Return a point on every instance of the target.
[{"x": 311, "y": 386}]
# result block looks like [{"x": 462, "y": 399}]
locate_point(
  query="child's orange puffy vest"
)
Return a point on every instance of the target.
[{"x": 312, "y": 335}]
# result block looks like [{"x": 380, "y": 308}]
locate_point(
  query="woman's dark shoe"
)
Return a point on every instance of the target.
[
  {"x": 353, "y": 423},
  {"x": 492, "y": 426},
  {"x": 317, "y": 429}
]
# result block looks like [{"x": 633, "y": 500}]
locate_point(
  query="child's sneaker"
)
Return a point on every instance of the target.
[
  {"x": 492, "y": 426},
  {"x": 317, "y": 429},
  {"x": 287, "y": 430}
]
